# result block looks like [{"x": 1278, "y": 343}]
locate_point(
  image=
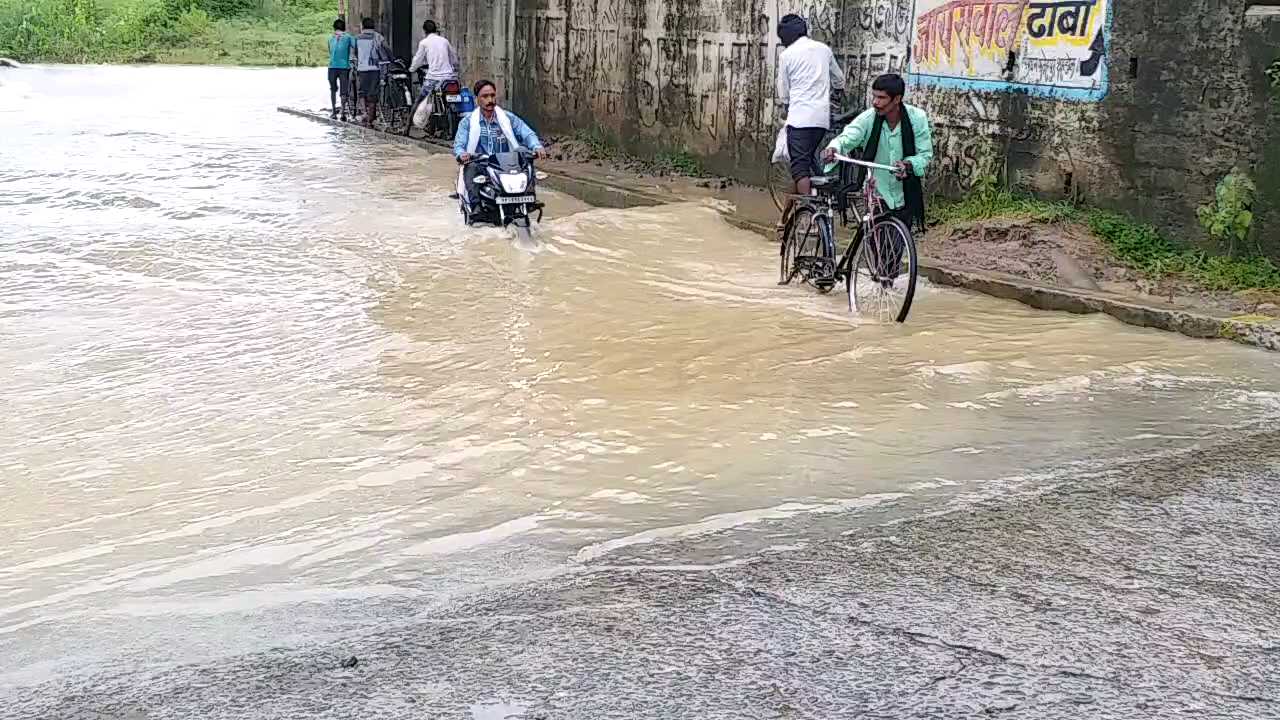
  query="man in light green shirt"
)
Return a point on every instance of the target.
[{"x": 891, "y": 133}]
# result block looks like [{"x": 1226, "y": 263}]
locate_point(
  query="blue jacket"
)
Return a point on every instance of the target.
[{"x": 491, "y": 138}]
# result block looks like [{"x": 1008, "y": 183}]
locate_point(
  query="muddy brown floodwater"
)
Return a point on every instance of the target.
[{"x": 264, "y": 391}]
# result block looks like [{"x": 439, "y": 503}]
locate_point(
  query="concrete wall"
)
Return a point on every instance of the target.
[
  {"x": 479, "y": 29},
  {"x": 1262, "y": 43},
  {"x": 1140, "y": 105}
]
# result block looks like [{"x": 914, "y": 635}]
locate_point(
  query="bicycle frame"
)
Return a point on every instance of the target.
[
  {"x": 875, "y": 208},
  {"x": 874, "y": 205},
  {"x": 820, "y": 267},
  {"x": 825, "y": 203}
]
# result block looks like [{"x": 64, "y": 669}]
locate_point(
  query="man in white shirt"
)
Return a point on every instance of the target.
[
  {"x": 437, "y": 55},
  {"x": 808, "y": 74}
]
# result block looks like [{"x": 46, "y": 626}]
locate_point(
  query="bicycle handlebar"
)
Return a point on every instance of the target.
[{"x": 865, "y": 163}]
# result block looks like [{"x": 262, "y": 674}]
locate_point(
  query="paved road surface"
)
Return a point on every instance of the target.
[{"x": 1150, "y": 590}]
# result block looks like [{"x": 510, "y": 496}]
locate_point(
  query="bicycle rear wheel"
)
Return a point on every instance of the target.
[
  {"x": 349, "y": 104},
  {"x": 882, "y": 276},
  {"x": 808, "y": 250},
  {"x": 780, "y": 185},
  {"x": 799, "y": 242}
]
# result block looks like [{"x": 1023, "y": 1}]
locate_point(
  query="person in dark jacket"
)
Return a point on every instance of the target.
[{"x": 371, "y": 50}]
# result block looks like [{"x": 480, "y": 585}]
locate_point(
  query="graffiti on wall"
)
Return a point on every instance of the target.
[
  {"x": 691, "y": 77},
  {"x": 682, "y": 73},
  {"x": 707, "y": 76},
  {"x": 1055, "y": 48},
  {"x": 874, "y": 38}
]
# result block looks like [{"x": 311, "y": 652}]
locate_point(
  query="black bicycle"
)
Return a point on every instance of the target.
[
  {"x": 879, "y": 266},
  {"x": 394, "y": 96}
]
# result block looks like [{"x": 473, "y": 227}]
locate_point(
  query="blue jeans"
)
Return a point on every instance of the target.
[{"x": 430, "y": 86}]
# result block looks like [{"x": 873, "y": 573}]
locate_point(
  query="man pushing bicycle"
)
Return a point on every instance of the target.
[
  {"x": 880, "y": 265},
  {"x": 895, "y": 134}
]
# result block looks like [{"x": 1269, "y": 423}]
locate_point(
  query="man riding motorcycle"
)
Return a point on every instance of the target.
[
  {"x": 436, "y": 54},
  {"x": 489, "y": 130}
]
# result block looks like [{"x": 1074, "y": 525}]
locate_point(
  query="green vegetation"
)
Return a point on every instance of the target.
[
  {"x": 1145, "y": 249},
  {"x": 988, "y": 200},
  {"x": 229, "y": 32},
  {"x": 679, "y": 162},
  {"x": 1229, "y": 218},
  {"x": 1137, "y": 245},
  {"x": 597, "y": 142}
]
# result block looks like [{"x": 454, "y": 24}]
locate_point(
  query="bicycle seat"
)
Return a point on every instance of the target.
[{"x": 822, "y": 183}]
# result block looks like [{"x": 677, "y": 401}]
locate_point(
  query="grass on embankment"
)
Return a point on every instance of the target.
[
  {"x": 224, "y": 32},
  {"x": 1135, "y": 245}
]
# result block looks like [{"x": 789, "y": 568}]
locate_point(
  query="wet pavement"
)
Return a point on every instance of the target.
[{"x": 1145, "y": 590}]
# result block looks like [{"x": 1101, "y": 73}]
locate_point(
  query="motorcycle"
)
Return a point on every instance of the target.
[
  {"x": 502, "y": 192},
  {"x": 439, "y": 112}
]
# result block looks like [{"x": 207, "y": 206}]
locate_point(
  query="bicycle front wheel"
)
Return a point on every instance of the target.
[{"x": 882, "y": 277}]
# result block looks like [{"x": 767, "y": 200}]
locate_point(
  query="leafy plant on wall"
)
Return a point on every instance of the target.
[{"x": 1230, "y": 217}]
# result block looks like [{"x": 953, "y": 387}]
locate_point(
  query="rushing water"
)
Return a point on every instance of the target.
[{"x": 256, "y": 373}]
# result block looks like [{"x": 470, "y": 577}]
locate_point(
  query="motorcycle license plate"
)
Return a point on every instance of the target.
[
  {"x": 453, "y": 98},
  {"x": 515, "y": 200}
]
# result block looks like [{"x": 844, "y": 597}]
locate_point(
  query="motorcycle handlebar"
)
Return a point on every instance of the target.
[{"x": 522, "y": 152}]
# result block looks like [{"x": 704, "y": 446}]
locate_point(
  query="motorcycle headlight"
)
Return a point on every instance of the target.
[{"x": 515, "y": 183}]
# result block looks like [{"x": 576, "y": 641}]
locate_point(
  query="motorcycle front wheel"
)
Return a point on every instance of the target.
[{"x": 524, "y": 235}]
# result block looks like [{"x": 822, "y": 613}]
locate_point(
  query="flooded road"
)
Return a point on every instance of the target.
[{"x": 263, "y": 390}]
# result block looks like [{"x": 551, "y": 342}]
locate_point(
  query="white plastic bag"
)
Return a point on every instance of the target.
[
  {"x": 421, "y": 114},
  {"x": 780, "y": 154}
]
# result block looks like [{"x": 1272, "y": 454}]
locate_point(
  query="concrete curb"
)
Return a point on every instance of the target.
[{"x": 1257, "y": 330}]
